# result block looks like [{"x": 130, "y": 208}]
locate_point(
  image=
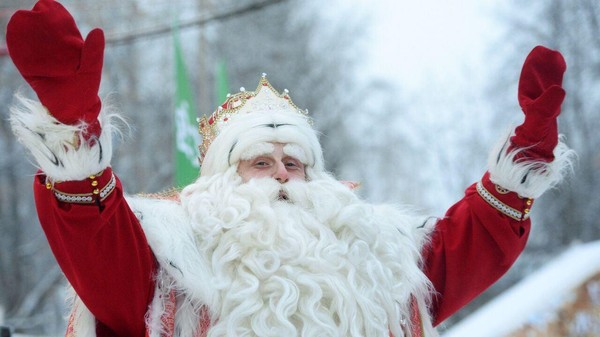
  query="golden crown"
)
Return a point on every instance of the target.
[{"x": 264, "y": 98}]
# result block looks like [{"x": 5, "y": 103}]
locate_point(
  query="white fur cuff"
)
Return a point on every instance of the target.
[
  {"x": 54, "y": 145},
  {"x": 529, "y": 179}
]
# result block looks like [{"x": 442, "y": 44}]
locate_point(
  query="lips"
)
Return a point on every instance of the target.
[{"x": 283, "y": 195}]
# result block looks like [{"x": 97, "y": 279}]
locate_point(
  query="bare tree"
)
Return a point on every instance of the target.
[
  {"x": 31, "y": 284},
  {"x": 30, "y": 281},
  {"x": 314, "y": 58},
  {"x": 138, "y": 78},
  {"x": 570, "y": 213}
]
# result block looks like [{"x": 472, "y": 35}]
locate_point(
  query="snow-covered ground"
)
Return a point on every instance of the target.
[{"x": 534, "y": 301}]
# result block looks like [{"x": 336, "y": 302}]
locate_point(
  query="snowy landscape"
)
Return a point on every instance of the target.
[
  {"x": 409, "y": 96},
  {"x": 560, "y": 299}
]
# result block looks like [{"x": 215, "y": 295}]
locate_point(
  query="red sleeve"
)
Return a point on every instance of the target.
[
  {"x": 475, "y": 244},
  {"x": 101, "y": 249}
]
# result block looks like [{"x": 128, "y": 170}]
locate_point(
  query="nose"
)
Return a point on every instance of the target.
[{"x": 281, "y": 174}]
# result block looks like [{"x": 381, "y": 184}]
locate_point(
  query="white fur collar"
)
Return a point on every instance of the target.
[{"x": 169, "y": 234}]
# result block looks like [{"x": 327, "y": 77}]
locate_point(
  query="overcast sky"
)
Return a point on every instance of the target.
[{"x": 413, "y": 40}]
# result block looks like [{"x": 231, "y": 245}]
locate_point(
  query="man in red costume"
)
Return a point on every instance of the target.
[{"x": 265, "y": 242}]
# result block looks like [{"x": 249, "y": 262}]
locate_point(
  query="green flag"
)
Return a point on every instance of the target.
[
  {"x": 187, "y": 137},
  {"x": 222, "y": 83}
]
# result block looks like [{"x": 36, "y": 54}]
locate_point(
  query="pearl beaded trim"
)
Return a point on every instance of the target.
[
  {"x": 87, "y": 198},
  {"x": 499, "y": 205}
]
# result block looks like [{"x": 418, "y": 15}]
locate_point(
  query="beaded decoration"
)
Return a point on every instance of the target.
[
  {"x": 264, "y": 98},
  {"x": 499, "y": 205},
  {"x": 87, "y": 198}
]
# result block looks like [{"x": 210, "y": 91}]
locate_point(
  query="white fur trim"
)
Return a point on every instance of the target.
[
  {"x": 169, "y": 233},
  {"x": 82, "y": 320},
  {"x": 530, "y": 179},
  {"x": 184, "y": 268},
  {"x": 428, "y": 329},
  {"x": 155, "y": 312},
  {"x": 243, "y": 131},
  {"x": 52, "y": 143}
]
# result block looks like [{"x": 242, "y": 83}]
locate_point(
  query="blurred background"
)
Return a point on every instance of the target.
[{"x": 409, "y": 97}]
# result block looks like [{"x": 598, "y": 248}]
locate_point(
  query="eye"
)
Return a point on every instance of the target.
[
  {"x": 261, "y": 163},
  {"x": 293, "y": 164}
]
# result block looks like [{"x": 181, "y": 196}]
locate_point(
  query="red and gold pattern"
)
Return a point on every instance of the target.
[
  {"x": 101, "y": 185},
  {"x": 210, "y": 127},
  {"x": 507, "y": 202}
]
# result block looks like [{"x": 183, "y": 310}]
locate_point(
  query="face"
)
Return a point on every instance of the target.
[{"x": 276, "y": 165}]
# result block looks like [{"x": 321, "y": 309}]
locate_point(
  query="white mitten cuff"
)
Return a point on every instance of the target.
[
  {"x": 528, "y": 178},
  {"x": 59, "y": 149}
]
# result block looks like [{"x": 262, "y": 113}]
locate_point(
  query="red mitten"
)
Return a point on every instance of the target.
[
  {"x": 540, "y": 96},
  {"x": 63, "y": 69}
]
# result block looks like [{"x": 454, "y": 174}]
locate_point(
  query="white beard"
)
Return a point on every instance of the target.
[{"x": 321, "y": 263}]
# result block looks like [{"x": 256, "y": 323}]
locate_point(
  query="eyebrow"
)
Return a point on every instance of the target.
[
  {"x": 293, "y": 158},
  {"x": 260, "y": 156},
  {"x": 269, "y": 125}
]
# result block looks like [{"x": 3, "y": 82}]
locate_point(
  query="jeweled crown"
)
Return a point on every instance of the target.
[{"x": 264, "y": 98}]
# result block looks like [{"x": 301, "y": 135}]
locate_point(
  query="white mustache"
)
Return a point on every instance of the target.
[
  {"x": 289, "y": 192},
  {"x": 306, "y": 194}
]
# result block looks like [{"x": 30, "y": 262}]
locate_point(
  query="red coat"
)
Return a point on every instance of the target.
[{"x": 104, "y": 254}]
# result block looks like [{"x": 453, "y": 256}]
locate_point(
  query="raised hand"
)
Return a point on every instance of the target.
[
  {"x": 540, "y": 97},
  {"x": 62, "y": 68}
]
